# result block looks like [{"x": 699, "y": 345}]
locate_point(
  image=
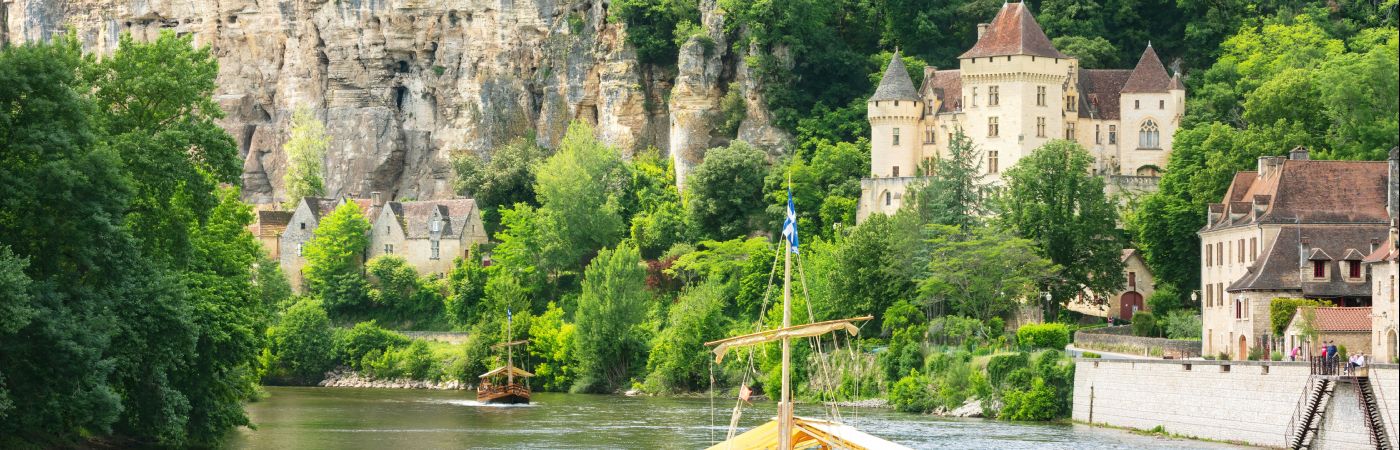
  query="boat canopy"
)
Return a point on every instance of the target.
[
  {"x": 808, "y": 434},
  {"x": 502, "y": 370},
  {"x": 722, "y": 346}
]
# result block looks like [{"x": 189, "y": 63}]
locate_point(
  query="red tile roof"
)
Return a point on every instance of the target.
[
  {"x": 1013, "y": 32},
  {"x": 1099, "y": 89},
  {"x": 1386, "y": 252},
  {"x": 946, "y": 85},
  {"x": 1311, "y": 191},
  {"x": 1342, "y": 319},
  {"x": 1149, "y": 75}
]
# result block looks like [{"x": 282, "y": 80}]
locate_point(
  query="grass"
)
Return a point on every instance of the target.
[{"x": 1161, "y": 431}]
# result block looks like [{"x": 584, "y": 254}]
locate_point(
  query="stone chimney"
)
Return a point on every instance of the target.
[
  {"x": 1393, "y": 186},
  {"x": 981, "y": 30},
  {"x": 928, "y": 73},
  {"x": 1269, "y": 164},
  {"x": 1298, "y": 153},
  {"x": 376, "y": 198}
]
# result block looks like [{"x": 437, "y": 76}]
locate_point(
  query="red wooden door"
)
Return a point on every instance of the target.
[{"x": 1128, "y": 304}]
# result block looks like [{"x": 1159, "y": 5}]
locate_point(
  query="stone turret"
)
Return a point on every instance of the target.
[{"x": 894, "y": 113}]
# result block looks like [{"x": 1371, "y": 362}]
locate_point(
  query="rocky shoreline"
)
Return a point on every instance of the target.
[{"x": 351, "y": 379}]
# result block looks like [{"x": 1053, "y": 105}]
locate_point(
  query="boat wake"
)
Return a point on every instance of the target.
[{"x": 474, "y": 403}]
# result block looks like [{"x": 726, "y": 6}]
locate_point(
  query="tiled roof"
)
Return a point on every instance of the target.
[
  {"x": 1176, "y": 84},
  {"x": 1309, "y": 191},
  {"x": 1149, "y": 75},
  {"x": 1342, "y": 319},
  {"x": 1279, "y": 269},
  {"x": 947, "y": 86},
  {"x": 415, "y": 218},
  {"x": 1013, "y": 32},
  {"x": 321, "y": 206},
  {"x": 270, "y": 223},
  {"x": 1386, "y": 252},
  {"x": 895, "y": 84},
  {"x": 1099, "y": 92}
]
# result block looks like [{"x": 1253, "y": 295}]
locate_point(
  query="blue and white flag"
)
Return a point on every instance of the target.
[
  {"x": 507, "y": 314},
  {"x": 790, "y": 225}
]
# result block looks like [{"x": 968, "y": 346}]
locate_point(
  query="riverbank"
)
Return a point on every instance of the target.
[{"x": 350, "y": 379}]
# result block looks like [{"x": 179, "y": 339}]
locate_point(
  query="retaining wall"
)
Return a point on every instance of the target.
[
  {"x": 1243, "y": 401},
  {"x": 1119, "y": 339}
]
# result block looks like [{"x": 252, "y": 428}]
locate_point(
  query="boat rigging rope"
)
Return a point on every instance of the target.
[
  {"x": 750, "y": 369},
  {"x": 833, "y": 412}
]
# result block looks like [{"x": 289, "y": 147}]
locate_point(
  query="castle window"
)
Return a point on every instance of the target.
[
  {"x": 930, "y": 135},
  {"x": 1113, "y": 135},
  {"x": 1319, "y": 269},
  {"x": 993, "y": 96},
  {"x": 950, "y": 138},
  {"x": 1148, "y": 136},
  {"x": 1161, "y": 104},
  {"x": 896, "y": 103},
  {"x": 895, "y": 171},
  {"x": 1040, "y": 96},
  {"x": 435, "y": 249},
  {"x": 887, "y": 199},
  {"x": 1039, "y": 127},
  {"x": 974, "y": 97},
  {"x": 1097, "y": 138},
  {"x": 1069, "y": 131},
  {"x": 896, "y": 136},
  {"x": 992, "y": 162},
  {"x": 1070, "y": 104},
  {"x": 993, "y": 129},
  {"x": 1137, "y": 104}
]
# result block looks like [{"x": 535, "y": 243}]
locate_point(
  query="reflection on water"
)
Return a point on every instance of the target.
[{"x": 334, "y": 418}]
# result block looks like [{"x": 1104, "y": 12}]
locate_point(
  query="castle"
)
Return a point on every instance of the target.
[{"x": 1012, "y": 93}]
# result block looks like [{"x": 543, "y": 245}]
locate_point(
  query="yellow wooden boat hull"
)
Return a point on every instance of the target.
[{"x": 807, "y": 434}]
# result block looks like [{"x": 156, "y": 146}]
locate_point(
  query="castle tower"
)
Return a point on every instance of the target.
[
  {"x": 1151, "y": 105},
  {"x": 1014, "y": 85},
  {"x": 894, "y": 112}
]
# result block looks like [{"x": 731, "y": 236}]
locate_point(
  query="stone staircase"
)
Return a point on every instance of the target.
[
  {"x": 1307, "y": 417},
  {"x": 1375, "y": 427}
]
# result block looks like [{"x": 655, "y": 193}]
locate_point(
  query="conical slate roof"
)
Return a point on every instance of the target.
[
  {"x": 1176, "y": 83},
  {"x": 1013, "y": 32},
  {"x": 1149, "y": 75},
  {"x": 896, "y": 84}
]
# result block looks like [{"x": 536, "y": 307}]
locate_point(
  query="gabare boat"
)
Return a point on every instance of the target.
[
  {"x": 499, "y": 386},
  {"x": 788, "y": 431}
]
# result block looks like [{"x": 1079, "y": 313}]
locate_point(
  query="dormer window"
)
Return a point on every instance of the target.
[
  {"x": 1319, "y": 269},
  {"x": 1354, "y": 269}
]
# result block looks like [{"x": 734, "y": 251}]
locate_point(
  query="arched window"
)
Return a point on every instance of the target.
[
  {"x": 887, "y": 198},
  {"x": 1148, "y": 135}
]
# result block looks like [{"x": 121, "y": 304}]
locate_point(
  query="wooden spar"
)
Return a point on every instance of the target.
[
  {"x": 792, "y": 328},
  {"x": 510, "y": 360},
  {"x": 511, "y": 343},
  {"x": 785, "y": 405},
  {"x": 723, "y": 346}
]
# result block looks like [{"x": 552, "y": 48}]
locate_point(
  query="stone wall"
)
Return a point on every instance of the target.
[
  {"x": 1118, "y": 339},
  {"x": 1243, "y": 401}
]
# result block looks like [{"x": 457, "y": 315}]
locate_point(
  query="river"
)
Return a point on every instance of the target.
[{"x": 345, "y": 418}]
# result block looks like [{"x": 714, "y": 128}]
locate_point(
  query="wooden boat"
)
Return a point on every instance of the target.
[
  {"x": 788, "y": 431},
  {"x": 499, "y": 386}
]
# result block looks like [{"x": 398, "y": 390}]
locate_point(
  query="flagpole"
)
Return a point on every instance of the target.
[
  {"x": 785, "y": 404},
  {"x": 510, "y": 353}
]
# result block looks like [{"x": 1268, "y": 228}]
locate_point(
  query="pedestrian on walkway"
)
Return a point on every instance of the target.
[{"x": 1293, "y": 355}]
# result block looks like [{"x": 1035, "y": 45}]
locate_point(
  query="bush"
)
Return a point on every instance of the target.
[
  {"x": 1035, "y": 403},
  {"x": 1281, "y": 311},
  {"x": 1276, "y": 356},
  {"x": 1182, "y": 324},
  {"x": 1255, "y": 353},
  {"x": 352, "y": 345},
  {"x": 1091, "y": 355},
  {"x": 414, "y": 361},
  {"x": 998, "y": 367},
  {"x": 1145, "y": 324},
  {"x": 1048, "y": 335},
  {"x": 298, "y": 345},
  {"x": 1165, "y": 300},
  {"x": 913, "y": 393}
]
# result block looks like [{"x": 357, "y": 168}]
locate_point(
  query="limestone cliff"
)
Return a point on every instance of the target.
[{"x": 404, "y": 84}]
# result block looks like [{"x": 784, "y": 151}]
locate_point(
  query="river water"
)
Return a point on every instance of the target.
[{"x": 344, "y": 418}]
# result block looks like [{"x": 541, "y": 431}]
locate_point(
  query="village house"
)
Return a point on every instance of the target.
[
  {"x": 1384, "y": 265},
  {"x": 267, "y": 227},
  {"x": 1348, "y": 328},
  {"x": 1293, "y": 228},
  {"x": 301, "y": 227},
  {"x": 429, "y": 235},
  {"x": 1129, "y": 299},
  {"x": 1013, "y": 92}
]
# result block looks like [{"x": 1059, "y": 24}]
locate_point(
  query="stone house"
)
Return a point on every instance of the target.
[
  {"x": 1345, "y": 327},
  {"x": 301, "y": 227},
  {"x": 1293, "y": 228},
  {"x": 1128, "y": 299},
  {"x": 1384, "y": 264},
  {"x": 428, "y": 234},
  {"x": 267, "y": 227},
  {"x": 1012, "y": 92}
]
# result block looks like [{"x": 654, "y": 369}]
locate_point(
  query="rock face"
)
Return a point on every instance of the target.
[{"x": 402, "y": 85}]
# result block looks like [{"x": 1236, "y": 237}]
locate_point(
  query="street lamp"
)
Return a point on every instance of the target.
[
  {"x": 1193, "y": 297},
  {"x": 1044, "y": 306}
]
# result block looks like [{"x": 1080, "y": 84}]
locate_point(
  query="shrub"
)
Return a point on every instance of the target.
[
  {"x": 1223, "y": 356},
  {"x": 1048, "y": 335},
  {"x": 1091, "y": 355},
  {"x": 1281, "y": 311},
  {"x": 1255, "y": 353},
  {"x": 913, "y": 393},
  {"x": 1035, "y": 403},
  {"x": 298, "y": 344},
  {"x": 1182, "y": 324},
  {"x": 998, "y": 367},
  {"x": 1145, "y": 324},
  {"x": 1276, "y": 356},
  {"x": 352, "y": 345},
  {"x": 1165, "y": 300}
]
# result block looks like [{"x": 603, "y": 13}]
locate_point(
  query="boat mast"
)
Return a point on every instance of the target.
[
  {"x": 510, "y": 351},
  {"x": 785, "y": 404}
]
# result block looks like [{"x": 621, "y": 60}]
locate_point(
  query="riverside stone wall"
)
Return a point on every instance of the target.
[
  {"x": 1244, "y": 401},
  {"x": 1119, "y": 339}
]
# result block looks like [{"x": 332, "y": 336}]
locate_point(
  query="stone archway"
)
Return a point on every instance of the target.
[{"x": 1244, "y": 349}]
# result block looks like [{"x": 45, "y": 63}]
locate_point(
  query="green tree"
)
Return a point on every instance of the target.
[
  {"x": 678, "y": 358},
  {"x": 579, "y": 189},
  {"x": 466, "y": 285},
  {"x": 302, "y": 343},
  {"x": 724, "y": 194},
  {"x": 954, "y": 191},
  {"x": 521, "y": 248},
  {"x": 871, "y": 269},
  {"x": 1281, "y": 311},
  {"x": 652, "y": 26},
  {"x": 982, "y": 273},
  {"x": 1052, "y": 199},
  {"x": 610, "y": 311},
  {"x": 507, "y": 177},
  {"x": 333, "y": 258},
  {"x": 305, "y": 150},
  {"x": 659, "y": 221},
  {"x": 1092, "y": 52},
  {"x": 552, "y": 347}
]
